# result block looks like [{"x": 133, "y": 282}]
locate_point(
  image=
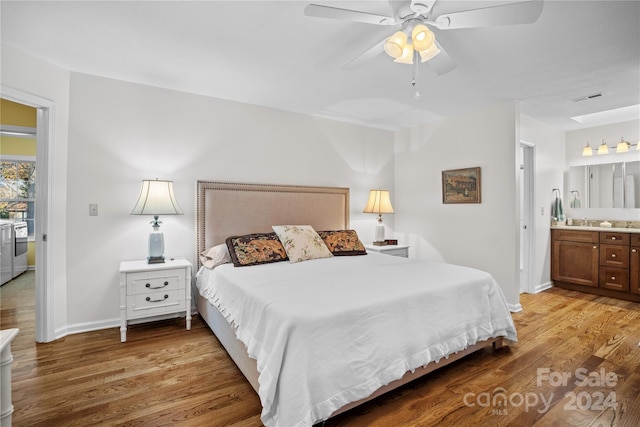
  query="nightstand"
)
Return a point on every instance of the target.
[
  {"x": 395, "y": 250},
  {"x": 150, "y": 290}
]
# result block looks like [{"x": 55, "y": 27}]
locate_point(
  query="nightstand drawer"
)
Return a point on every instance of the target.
[
  {"x": 154, "y": 303},
  {"x": 145, "y": 282}
]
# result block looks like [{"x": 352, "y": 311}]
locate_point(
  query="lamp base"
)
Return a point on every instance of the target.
[{"x": 155, "y": 260}]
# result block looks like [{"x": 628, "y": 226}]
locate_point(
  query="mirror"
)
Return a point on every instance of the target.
[{"x": 609, "y": 185}]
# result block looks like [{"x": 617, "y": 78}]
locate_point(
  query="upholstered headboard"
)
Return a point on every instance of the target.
[{"x": 226, "y": 209}]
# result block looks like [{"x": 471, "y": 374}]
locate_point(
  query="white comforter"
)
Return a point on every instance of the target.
[{"x": 331, "y": 331}]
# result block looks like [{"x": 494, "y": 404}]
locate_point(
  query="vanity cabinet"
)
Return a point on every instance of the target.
[
  {"x": 575, "y": 257},
  {"x": 602, "y": 262}
]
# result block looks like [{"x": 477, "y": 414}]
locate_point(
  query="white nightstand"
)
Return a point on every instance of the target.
[
  {"x": 148, "y": 290},
  {"x": 395, "y": 250}
]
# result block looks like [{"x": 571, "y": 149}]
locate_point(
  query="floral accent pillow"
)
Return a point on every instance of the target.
[
  {"x": 343, "y": 242},
  {"x": 252, "y": 249},
  {"x": 301, "y": 242},
  {"x": 215, "y": 256}
]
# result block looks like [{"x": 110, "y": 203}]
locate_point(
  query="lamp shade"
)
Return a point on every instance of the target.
[
  {"x": 378, "y": 203},
  {"x": 156, "y": 198},
  {"x": 623, "y": 146},
  {"x": 587, "y": 150},
  {"x": 603, "y": 149}
]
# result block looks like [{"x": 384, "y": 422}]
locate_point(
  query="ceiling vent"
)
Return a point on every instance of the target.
[{"x": 584, "y": 98}]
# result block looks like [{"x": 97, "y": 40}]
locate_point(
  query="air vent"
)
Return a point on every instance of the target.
[{"x": 584, "y": 98}]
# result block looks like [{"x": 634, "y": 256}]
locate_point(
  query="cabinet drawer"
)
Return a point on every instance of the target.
[
  {"x": 145, "y": 282},
  {"x": 613, "y": 278},
  {"x": 154, "y": 303},
  {"x": 614, "y": 256},
  {"x": 575, "y": 235},
  {"x": 614, "y": 238}
]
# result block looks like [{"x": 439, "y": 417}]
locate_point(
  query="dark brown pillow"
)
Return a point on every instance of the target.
[
  {"x": 253, "y": 249},
  {"x": 343, "y": 242}
]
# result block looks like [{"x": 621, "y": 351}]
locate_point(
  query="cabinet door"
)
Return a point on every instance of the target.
[
  {"x": 575, "y": 262},
  {"x": 634, "y": 270}
]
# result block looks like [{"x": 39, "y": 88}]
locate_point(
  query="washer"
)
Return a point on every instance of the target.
[
  {"x": 6, "y": 251},
  {"x": 14, "y": 247}
]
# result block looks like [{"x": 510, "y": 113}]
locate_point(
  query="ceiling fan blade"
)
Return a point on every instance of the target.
[
  {"x": 365, "y": 57},
  {"x": 442, "y": 62},
  {"x": 320, "y": 11},
  {"x": 525, "y": 12}
]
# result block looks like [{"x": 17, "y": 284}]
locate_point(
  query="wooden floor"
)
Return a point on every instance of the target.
[{"x": 166, "y": 376}]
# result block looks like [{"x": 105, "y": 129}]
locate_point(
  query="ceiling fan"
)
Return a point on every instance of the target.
[{"x": 414, "y": 41}]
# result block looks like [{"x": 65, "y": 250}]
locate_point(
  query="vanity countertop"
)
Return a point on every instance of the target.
[{"x": 595, "y": 228}]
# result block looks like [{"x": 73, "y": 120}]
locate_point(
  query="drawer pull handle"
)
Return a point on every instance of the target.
[
  {"x": 148, "y": 285},
  {"x": 157, "y": 300},
  {"x": 613, "y": 277},
  {"x": 613, "y": 255},
  {"x": 595, "y": 247},
  {"x": 613, "y": 237},
  {"x": 634, "y": 250}
]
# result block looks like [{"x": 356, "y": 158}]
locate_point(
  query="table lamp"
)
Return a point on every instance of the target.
[
  {"x": 156, "y": 198},
  {"x": 379, "y": 203}
]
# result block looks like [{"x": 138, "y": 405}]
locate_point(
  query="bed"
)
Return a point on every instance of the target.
[{"x": 318, "y": 337}]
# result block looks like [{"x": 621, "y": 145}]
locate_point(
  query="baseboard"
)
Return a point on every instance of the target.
[
  {"x": 542, "y": 287},
  {"x": 514, "y": 308},
  {"x": 79, "y": 328}
]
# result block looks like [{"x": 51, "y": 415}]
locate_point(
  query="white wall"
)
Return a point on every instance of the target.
[
  {"x": 549, "y": 164},
  {"x": 577, "y": 139},
  {"x": 31, "y": 76},
  {"x": 484, "y": 235},
  {"x": 121, "y": 133}
]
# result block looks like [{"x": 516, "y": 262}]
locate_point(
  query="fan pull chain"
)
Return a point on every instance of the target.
[{"x": 414, "y": 81}]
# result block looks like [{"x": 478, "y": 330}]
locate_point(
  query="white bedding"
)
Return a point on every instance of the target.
[{"x": 331, "y": 331}]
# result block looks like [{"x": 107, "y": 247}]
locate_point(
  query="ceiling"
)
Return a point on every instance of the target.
[{"x": 269, "y": 53}]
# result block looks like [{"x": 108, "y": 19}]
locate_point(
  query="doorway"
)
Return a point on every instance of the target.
[
  {"x": 44, "y": 325},
  {"x": 527, "y": 241}
]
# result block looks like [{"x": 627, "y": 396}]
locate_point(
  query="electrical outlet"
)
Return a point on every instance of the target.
[{"x": 93, "y": 209}]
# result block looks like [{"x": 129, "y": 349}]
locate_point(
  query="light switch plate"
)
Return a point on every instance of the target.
[{"x": 93, "y": 209}]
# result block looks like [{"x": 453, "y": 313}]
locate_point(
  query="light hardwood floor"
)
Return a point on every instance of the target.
[{"x": 167, "y": 376}]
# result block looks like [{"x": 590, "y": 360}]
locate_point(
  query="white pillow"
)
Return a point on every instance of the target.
[
  {"x": 301, "y": 242},
  {"x": 215, "y": 256}
]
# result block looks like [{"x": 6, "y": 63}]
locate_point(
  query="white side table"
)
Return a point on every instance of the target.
[
  {"x": 395, "y": 250},
  {"x": 151, "y": 290},
  {"x": 6, "y": 358}
]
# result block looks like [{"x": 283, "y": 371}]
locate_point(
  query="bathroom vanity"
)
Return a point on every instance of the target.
[{"x": 603, "y": 261}]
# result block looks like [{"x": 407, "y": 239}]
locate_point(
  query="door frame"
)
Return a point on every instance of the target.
[
  {"x": 528, "y": 201},
  {"x": 45, "y": 233}
]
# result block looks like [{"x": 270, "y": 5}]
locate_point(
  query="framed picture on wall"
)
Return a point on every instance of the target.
[{"x": 461, "y": 186}]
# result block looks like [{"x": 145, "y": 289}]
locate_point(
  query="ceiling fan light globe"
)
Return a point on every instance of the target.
[
  {"x": 395, "y": 44},
  {"x": 407, "y": 55},
  {"x": 430, "y": 53},
  {"x": 422, "y": 38}
]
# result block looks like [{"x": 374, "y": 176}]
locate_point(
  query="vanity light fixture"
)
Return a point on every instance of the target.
[
  {"x": 156, "y": 198},
  {"x": 622, "y": 147}
]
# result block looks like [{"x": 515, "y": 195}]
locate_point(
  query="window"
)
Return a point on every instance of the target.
[{"x": 18, "y": 191}]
